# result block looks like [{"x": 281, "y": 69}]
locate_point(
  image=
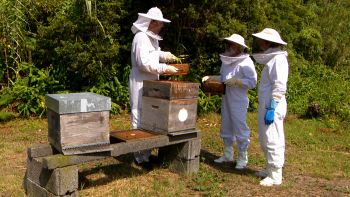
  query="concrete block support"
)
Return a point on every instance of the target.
[
  {"x": 185, "y": 150},
  {"x": 182, "y": 157},
  {"x": 35, "y": 190},
  {"x": 180, "y": 166},
  {"x": 59, "y": 181}
]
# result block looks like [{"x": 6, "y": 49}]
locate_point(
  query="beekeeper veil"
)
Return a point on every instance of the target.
[{"x": 144, "y": 20}]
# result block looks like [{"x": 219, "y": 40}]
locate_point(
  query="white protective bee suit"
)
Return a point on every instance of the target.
[
  {"x": 235, "y": 101},
  {"x": 146, "y": 56},
  {"x": 273, "y": 81}
]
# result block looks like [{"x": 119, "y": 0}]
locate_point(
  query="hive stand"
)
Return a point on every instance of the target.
[{"x": 50, "y": 174}]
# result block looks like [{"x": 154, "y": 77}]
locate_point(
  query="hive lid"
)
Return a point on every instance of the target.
[{"x": 77, "y": 102}]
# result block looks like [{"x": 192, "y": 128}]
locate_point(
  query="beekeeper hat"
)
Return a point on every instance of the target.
[
  {"x": 270, "y": 35},
  {"x": 236, "y": 38},
  {"x": 155, "y": 14},
  {"x": 144, "y": 20}
]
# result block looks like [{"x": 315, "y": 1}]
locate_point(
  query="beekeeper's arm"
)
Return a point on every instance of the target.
[
  {"x": 144, "y": 57},
  {"x": 279, "y": 76},
  {"x": 212, "y": 77},
  {"x": 249, "y": 79}
]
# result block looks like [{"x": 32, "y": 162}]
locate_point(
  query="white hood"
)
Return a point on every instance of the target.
[
  {"x": 266, "y": 56},
  {"x": 142, "y": 24},
  {"x": 233, "y": 60}
]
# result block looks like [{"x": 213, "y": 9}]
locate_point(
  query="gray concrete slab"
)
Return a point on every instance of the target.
[
  {"x": 129, "y": 147},
  {"x": 60, "y": 161},
  {"x": 41, "y": 151}
]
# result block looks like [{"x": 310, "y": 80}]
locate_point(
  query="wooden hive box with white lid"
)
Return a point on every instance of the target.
[
  {"x": 169, "y": 106},
  {"x": 78, "y": 122}
]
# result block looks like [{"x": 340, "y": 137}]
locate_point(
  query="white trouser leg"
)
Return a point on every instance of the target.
[{"x": 272, "y": 141}]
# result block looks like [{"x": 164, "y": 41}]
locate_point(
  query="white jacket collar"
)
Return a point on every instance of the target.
[
  {"x": 233, "y": 60},
  {"x": 266, "y": 56},
  {"x": 153, "y": 35}
]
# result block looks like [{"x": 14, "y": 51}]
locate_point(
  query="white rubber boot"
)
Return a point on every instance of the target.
[
  {"x": 274, "y": 176},
  {"x": 242, "y": 160},
  {"x": 227, "y": 157}
]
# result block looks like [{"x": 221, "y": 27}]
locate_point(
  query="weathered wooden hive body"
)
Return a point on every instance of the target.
[
  {"x": 169, "y": 106},
  {"x": 78, "y": 122}
]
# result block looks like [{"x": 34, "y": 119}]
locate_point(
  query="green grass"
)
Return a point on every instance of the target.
[{"x": 316, "y": 161}]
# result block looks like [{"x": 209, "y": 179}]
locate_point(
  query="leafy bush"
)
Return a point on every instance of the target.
[
  {"x": 318, "y": 85},
  {"x": 70, "y": 46}
]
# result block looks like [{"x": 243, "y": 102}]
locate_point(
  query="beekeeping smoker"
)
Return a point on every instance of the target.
[
  {"x": 272, "y": 104},
  {"x": 146, "y": 56},
  {"x": 238, "y": 73}
]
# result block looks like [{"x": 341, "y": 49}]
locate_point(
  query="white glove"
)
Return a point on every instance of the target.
[
  {"x": 171, "y": 58},
  {"x": 233, "y": 81},
  {"x": 171, "y": 70},
  {"x": 210, "y": 78}
]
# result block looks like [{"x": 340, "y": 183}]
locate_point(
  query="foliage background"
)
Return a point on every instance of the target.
[{"x": 62, "y": 46}]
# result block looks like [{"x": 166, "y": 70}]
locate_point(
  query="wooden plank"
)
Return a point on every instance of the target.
[
  {"x": 133, "y": 135},
  {"x": 170, "y": 90}
]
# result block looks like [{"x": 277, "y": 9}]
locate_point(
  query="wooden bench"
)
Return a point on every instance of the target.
[{"x": 49, "y": 173}]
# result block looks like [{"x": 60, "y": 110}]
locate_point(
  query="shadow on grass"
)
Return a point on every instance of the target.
[
  {"x": 102, "y": 175},
  {"x": 226, "y": 167}
]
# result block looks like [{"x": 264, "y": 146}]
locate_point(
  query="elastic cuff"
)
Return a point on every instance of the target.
[
  {"x": 273, "y": 104},
  {"x": 276, "y": 96}
]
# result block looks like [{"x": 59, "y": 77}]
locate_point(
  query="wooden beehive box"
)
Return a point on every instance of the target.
[
  {"x": 169, "y": 106},
  {"x": 214, "y": 87},
  {"x": 78, "y": 122},
  {"x": 170, "y": 90}
]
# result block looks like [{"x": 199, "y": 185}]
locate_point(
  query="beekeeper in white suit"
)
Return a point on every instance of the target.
[
  {"x": 272, "y": 104},
  {"x": 146, "y": 56},
  {"x": 238, "y": 73}
]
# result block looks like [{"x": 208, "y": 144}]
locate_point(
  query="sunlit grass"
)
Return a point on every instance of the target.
[{"x": 312, "y": 150}]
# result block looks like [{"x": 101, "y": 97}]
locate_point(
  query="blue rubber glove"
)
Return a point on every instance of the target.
[{"x": 270, "y": 113}]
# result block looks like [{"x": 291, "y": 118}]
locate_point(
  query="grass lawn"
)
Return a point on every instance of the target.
[{"x": 317, "y": 163}]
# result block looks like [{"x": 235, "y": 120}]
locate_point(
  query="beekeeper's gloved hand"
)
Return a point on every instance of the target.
[
  {"x": 171, "y": 70},
  {"x": 233, "y": 81},
  {"x": 171, "y": 58},
  {"x": 270, "y": 113},
  {"x": 210, "y": 78}
]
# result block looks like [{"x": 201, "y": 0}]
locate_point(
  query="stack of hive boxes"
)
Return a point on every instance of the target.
[{"x": 170, "y": 108}]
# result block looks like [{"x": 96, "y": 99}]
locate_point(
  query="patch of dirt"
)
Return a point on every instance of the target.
[{"x": 294, "y": 183}]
